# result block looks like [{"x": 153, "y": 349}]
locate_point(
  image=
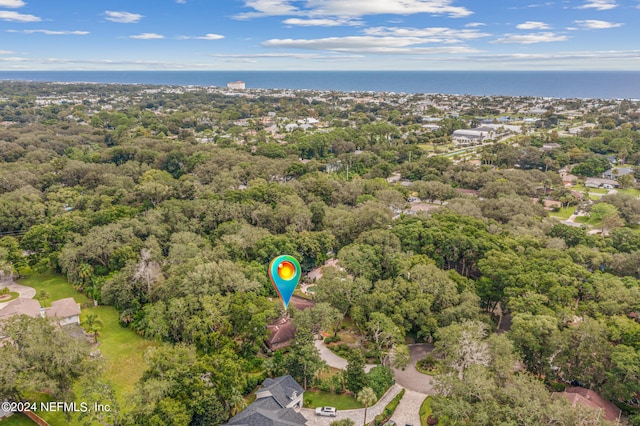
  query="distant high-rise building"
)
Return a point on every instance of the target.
[{"x": 239, "y": 85}]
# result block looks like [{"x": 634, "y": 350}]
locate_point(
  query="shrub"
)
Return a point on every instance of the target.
[
  {"x": 380, "y": 379},
  {"x": 388, "y": 410},
  {"x": 325, "y": 385},
  {"x": 332, "y": 339}
]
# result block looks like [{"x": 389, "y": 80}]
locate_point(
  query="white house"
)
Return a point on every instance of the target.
[
  {"x": 472, "y": 136},
  {"x": 65, "y": 311}
]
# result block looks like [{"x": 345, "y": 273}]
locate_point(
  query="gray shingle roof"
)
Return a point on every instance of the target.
[{"x": 269, "y": 409}]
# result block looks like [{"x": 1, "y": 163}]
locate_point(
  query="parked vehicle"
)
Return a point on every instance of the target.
[{"x": 326, "y": 411}]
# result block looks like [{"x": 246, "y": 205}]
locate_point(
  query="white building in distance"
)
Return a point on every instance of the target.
[{"x": 236, "y": 85}]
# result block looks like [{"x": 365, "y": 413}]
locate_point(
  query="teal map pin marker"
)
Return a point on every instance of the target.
[{"x": 284, "y": 272}]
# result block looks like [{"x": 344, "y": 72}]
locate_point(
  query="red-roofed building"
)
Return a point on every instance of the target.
[{"x": 588, "y": 398}]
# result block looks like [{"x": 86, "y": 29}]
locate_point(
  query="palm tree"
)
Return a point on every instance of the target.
[
  {"x": 93, "y": 325},
  {"x": 367, "y": 397},
  {"x": 42, "y": 296}
]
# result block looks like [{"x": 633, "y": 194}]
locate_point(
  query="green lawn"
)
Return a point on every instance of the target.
[
  {"x": 55, "y": 284},
  {"x": 314, "y": 399},
  {"x": 563, "y": 213},
  {"x": 17, "y": 420},
  {"x": 425, "y": 410},
  {"x": 121, "y": 348},
  {"x": 630, "y": 191},
  {"x": 581, "y": 188},
  {"x": 589, "y": 221}
]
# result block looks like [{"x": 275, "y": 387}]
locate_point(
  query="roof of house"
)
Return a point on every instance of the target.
[
  {"x": 619, "y": 171},
  {"x": 63, "y": 308},
  {"x": 589, "y": 398},
  {"x": 269, "y": 408},
  {"x": 20, "y": 306},
  {"x": 599, "y": 181},
  {"x": 257, "y": 415},
  {"x": 283, "y": 389},
  {"x": 282, "y": 331}
]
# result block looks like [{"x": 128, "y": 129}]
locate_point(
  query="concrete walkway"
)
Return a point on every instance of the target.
[
  {"x": 356, "y": 415},
  {"x": 408, "y": 411},
  {"x": 334, "y": 360}
]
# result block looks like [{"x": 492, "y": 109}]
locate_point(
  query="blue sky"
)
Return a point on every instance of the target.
[{"x": 319, "y": 35}]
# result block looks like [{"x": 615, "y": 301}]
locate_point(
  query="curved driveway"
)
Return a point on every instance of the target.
[
  {"x": 410, "y": 378},
  {"x": 334, "y": 360},
  {"x": 22, "y": 290},
  {"x": 417, "y": 387}
]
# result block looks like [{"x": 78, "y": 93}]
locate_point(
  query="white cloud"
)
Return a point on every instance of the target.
[
  {"x": 147, "y": 36},
  {"x": 6, "y": 15},
  {"x": 123, "y": 17},
  {"x": 599, "y": 5},
  {"x": 204, "y": 37},
  {"x": 544, "y": 37},
  {"x": 304, "y": 56},
  {"x": 322, "y": 22},
  {"x": 475, "y": 24},
  {"x": 588, "y": 56},
  {"x": 593, "y": 24},
  {"x": 49, "y": 32},
  {"x": 6, "y": 52},
  {"x": 434, "y": 34},
  {"x": 181, "y": 1},
  {"x": 14, "y": 4},
  {"x": 367, "y": 44},
  {"x": 532, "y": 25},
  {"x": 12, "y": 59},
  {"x": 353, "y": 8}
]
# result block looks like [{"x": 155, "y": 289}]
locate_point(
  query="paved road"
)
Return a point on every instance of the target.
[
  {"x": 334, "y": 360},
  {"x": 356, "y": 415},
  {"x": 408, "y": 411}
]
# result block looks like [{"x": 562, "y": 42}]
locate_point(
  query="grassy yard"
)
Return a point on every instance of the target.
[
  {"x": 589, "y": 221},
  {"x": 425, "y": 411},
  {"x": 630, "y": 191},
  {"x": 582, "y": 188},
  {"x": 564, "y": 213},
  {"x": 55, "y": 284},
  {"x": 121, "y": 348},
  {"x": 17, "y": 420},
  {"x": 123, "y": 351},
  {"x": 314, "y": 399}
]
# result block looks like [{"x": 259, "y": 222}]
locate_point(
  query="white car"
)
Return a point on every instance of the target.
[{"x": 326, "y": 411}]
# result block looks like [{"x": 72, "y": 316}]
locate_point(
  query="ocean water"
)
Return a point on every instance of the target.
[{"x": 560, "y": 84}]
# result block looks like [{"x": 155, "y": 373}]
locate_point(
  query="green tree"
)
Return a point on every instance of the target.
[
  {"x": 303, "y": 361},
  {"x": 355, "y": 377},
  {"x": 93, "y": 325},
  {"x": 40, "y": 356}
]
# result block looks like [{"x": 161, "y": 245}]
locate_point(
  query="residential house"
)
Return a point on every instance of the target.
[
  {"x": 19, "y": 306},
  {"x": 588, "y": 398},
  {"x": 65, "y": 311},
  {"x": 615, "y": 173},
  {"x": 282, "y": 331},
  {"x": 600, "y": 183},
  {"x": 277, "y": 404}
]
